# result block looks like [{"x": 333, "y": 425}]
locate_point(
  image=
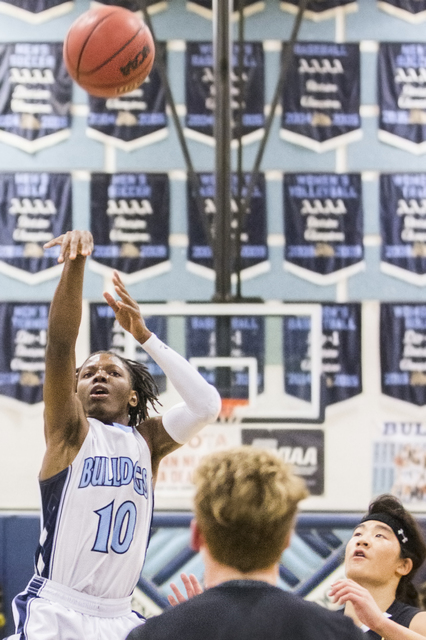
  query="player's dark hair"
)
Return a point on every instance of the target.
[
  {"x": 144, "y": 385},
  {"x": 390, "y": 505}
]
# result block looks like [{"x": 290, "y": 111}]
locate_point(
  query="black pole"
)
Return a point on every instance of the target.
[
  {"x": 239, "y": 124},
  {"x": 222, "y": 132}
]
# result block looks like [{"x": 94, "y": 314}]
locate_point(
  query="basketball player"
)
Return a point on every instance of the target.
[
  {"x": 382, "y": 557},
  {"x": 102, "y": 457},
  {"x": 245, "y": 505}
]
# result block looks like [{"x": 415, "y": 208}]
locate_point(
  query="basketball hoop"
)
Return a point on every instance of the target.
[{"x": 228, "y": 411}]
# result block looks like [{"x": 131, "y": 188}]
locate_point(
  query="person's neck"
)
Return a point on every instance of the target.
[
  {"x": 216, "y": 573},
  {"x": 383, "y": 595}
]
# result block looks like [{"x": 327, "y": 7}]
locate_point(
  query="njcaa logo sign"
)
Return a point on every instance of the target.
[{"x": 101, "y": 471}]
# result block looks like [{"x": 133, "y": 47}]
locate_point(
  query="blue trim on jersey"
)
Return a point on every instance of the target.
[
  {"x": 22, "y": 603},
  {"x": 52, "y": 495},
  {"x": 122, "y": 427}
]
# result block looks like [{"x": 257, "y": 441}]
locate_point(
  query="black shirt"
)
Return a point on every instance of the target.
[
  {"x": 398, "y": 612},
  {"x": 247, "y": 610}
]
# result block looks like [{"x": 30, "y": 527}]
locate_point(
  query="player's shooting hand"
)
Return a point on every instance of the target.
[
  {"x": 127, "y": 311},
  {"x": 192, "y": 588},
  {"x": 74, "y": 243},
  {"x": 364, "y": 605}
]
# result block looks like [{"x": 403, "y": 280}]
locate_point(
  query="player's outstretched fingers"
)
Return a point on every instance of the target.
[
  {"x": 54, "y": 241},
  {"x": 172, "y": 601},
  {"x": 191, "y": 584},
  {"x": 86, "y": 243},
  {"x": 179, "y": 596},
  {"x": 195, "y": 585},
  {"x": 112, "y": 302}
]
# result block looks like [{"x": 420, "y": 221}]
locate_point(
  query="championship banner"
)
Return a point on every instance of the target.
[
  {"x": 34, "y": 208},
  {"x": 247, "y": 339},
  {"x": 106, "y": 334},
  {"x": 341, "y": 353},
  {"x": 399, "y": 462},
  {"x": 130, "y": 217},
  {"x": 403, "y": 226},
  {"x": 402, "y": 95},
  {"x": 23, "y": 329},
  {"x": 303, "y": 449},
  {"x": 323, "y": 222},
  {"x": 153, "y": 6},
  {"x": 35, "y": 95},
  {"x": 413, "y": 11},
  {"x": 35, "y": 11},
  {"x": 402, "y": 351},
  {"x": 253, "y": 237},
  {"x": 204, "y": 8},
  {"x": 134, "y": 119},
  {"x": 200, "y": 92},
  {"x": 321, "y": 9},
  {"x": 321, "y": 96}
]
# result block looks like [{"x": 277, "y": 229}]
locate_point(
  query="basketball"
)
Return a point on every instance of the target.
[{"x": 109, "y": 51}]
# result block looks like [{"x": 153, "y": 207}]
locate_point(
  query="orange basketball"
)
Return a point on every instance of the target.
[{"x": 109, "y": 51}]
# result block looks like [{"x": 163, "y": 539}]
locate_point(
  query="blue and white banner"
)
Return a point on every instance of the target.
[
  {"x": 34, "y": 208},
  {"x": 403, "y": 226},
  {"x": 323, "y": 226},
  {"x": 303, "y": 449},
  {"x": 247, "y": 339},
  {"x": 321, "y": 96},
  {"x": 341, "y": 353},
  {"x": 205, "y": 7},
  {"x": 130, "y": 224},
  {"x": 35, "y": 95},
  {"x": 134, "y": 119},
  {"x": 153, "y": 6},
  {"x": 200, "y": 92},
  {"x": 403, "y": 351},
  {"x": 106, "y": 334},
  {"x": 23, "y": 328},
  {"x": 35, "y": 11},
  {"x": 253, "y": 236},
  {"x": 413, "y": 11},
  {"x": 321, "y": 9},
  {"x": 402, "y": 95}
]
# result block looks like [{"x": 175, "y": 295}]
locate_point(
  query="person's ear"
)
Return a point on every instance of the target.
[
  {"x": 134, "y": 399},
  {"x": 404, "y": 566},
  {"x": 197, "y": 540}
]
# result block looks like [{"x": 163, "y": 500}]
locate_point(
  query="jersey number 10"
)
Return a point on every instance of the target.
[{"x": 122, "y": 529}]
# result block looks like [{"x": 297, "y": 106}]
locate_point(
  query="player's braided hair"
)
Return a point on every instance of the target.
[{"x": 144, "y": 385}]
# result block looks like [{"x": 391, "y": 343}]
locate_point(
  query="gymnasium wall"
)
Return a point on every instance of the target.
[{"x": 352, "y": 427}]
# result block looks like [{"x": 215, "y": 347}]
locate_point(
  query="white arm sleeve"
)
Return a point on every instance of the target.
[{"x": 202, "y": 402}]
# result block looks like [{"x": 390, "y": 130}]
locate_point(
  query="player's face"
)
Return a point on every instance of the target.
[
  {"x": 104, "y": 388},
  {"x": 373, "y": 554}
]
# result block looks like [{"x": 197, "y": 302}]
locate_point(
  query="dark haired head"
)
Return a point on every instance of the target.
[
  {"x": 387, "y": 508},
  {"x": 144, "y": 385}
]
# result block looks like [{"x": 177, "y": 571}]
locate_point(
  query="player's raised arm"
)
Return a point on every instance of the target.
[
  {"x": 201, "y": 401},
  {"x": 65, "y": 422}
]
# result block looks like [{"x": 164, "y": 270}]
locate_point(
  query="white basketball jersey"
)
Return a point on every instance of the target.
[{"x": 96, "y": 514}]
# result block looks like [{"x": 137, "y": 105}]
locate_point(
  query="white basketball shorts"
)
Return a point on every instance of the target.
[{"x": 47, "y": 610}]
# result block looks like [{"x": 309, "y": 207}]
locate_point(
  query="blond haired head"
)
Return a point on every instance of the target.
[{"x": 245, "y": 503}]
